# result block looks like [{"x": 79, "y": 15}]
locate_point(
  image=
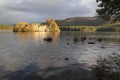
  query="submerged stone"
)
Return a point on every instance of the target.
[
  {"x": 49, "y": 39},
  {"x": 66, "y": 58},
  {"x": 100, "y": 40},
  {"x": 91, "y": 42}
]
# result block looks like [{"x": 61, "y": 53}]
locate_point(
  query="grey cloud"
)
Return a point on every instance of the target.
[{"x": 39, "y": 10}]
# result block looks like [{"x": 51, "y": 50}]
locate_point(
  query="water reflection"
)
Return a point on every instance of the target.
[
  {"x": 36, "y": 36},
  {"x": 26, "y": 56},
  {"x": 32, "y": 72}
]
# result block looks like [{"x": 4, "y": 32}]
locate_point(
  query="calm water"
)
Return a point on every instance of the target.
[{"x": 24, "y": 56}]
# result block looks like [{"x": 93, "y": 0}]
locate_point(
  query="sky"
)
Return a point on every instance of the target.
[{"x": 14, "y": 11}]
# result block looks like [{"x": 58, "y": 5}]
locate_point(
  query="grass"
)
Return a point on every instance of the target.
[
  {"x": 6, "y": 27},
  {"x": 79, "y": 28},
  {"x": 104, "y": 28}
]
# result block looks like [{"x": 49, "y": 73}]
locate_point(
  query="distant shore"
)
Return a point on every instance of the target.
[
  {"x": 104, "y": 28},
  {"x": 91, "y": 28},
  {"x": 81, "y": 29}
]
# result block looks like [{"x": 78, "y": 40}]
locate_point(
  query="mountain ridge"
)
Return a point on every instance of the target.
[{"x": 81, "y": 21}]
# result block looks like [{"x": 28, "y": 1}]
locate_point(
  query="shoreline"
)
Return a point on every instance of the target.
[{"x": 63, "y": 31}]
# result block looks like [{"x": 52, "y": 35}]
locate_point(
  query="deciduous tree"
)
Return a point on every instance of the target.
[{"x": 109, "y": 9}]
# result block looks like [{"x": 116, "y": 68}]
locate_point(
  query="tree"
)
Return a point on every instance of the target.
[
  {"x": 109, "y": 9},
  {"x": 53, "y": 26}
]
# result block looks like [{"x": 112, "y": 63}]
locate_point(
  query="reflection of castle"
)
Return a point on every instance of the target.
[{"x": 51, "y": 26}]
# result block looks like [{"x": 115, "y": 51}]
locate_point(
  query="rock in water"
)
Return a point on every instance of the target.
[
  {"x": 76, "y": 39},
  {"x": 66, "y": 58},
  {"x": 91, "y": 42},
  {"x": 49, "y": 39},
  {"x": 83, "y": 39},
  {"x": 100, "y": 40}
]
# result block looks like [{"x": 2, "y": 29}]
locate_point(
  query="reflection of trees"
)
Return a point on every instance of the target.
[
  {"x": 54, "y": 35},
  {"x": 37, "y": 36},
  {"x": 23, "y": 37}
]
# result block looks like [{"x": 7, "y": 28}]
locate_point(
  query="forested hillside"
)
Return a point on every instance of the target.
[{"x": 80, "y": 21}]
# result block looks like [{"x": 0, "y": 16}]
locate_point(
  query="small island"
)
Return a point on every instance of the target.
[{"x": 50, "y": 26}]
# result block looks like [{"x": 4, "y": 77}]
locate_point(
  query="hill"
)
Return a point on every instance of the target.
[{"x": 80, "y": 21}]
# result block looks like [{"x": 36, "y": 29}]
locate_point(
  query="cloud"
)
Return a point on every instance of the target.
[{"x": 13, "y": 11}]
